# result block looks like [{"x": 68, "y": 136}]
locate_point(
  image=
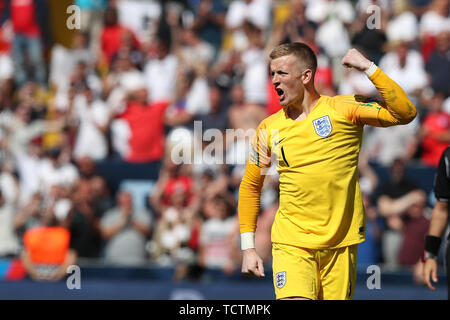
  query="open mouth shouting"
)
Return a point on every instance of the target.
[{"x": 280, "y": 93}]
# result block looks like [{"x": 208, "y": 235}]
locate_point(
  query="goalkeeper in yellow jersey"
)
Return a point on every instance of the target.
[{"x": 315, "y": 140}]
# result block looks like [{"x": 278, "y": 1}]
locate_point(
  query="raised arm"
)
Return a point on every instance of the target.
[{"x": 394, "y": 110}]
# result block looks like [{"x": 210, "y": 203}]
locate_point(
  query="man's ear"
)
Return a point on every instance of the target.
[{"x": 307, "y": 76}]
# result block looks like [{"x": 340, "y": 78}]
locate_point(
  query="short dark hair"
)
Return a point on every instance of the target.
[{"x": 304, "y": 54}]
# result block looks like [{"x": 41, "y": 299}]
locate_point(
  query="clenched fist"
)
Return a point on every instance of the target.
[{"x": 354, "y": 59}]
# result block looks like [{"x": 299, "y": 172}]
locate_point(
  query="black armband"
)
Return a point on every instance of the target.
[{"x": 432, "y": 244}]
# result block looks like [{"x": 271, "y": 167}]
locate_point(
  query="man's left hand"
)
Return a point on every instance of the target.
[{"x": 354, "y": 59}]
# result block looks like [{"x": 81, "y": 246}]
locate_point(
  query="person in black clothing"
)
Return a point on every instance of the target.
[
  {"x": 371, "y": 40},
  {"x": 438, "y": 65},
  {"x": 84, "y": 222},
  {"x": 439, "y": 222},
  {"x": 217, "y": 116}
]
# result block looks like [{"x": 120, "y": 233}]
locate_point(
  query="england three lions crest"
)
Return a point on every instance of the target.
[
  {"x": 323, "y": 126},
  {"x": 280, "y": 279}
]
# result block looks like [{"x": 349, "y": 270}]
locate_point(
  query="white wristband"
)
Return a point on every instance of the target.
[
  {"x": 247, "y": 240},
  {"x": 371, "y": 70}
]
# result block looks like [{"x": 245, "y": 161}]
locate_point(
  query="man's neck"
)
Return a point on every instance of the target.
[{"x": 300, "y": 109}]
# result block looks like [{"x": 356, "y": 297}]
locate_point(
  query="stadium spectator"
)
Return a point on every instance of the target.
[
  {"x": 209, "y": 20},
  {"x": 92, "y": 19},
  {"x": 56, "y": 169},
  {"x": 28, "y": 19},
  {"x": 369, "y": 252},
  {"x": 331, "y": 35},
  {"x": 125, "y": 230},
  {"x": 143, "y": 132},
  {"x": 255, "y": 11},
  {"x": 403, "y": 25},
  {"x": 120, "y": 66},
  {"x": 92, "y": 118},
  {"x": 438, "y": 65},
  {"x": 86, "y": 167},
  {"x": 415, "y": 228},
  {"x": 297, "y": 27},
  {"x": 27, "y": 164},
  {"x": 255, "y": 67},
  {"x": 400, "y": 142},
  {"x": 324, "y": 76},
  {"x": 114, "y": 36},
  {"x": 26, "y": 122},
  {"x": 370, "y": 40},
  {"x": 216, "y": 118},
  {"x": 243, "y": 115},
  {"x": 175, "y": 234},
  {"x": 406, "y": 66},
  {"x": 192, "y": 98},
  {"x": 142, "y": 17},
  {"x": 226, "y": 71},
  {"x": 47, "y": 249},
  {"x": 6, "y": 62},
  {"x": 172, "y": 178},
  {"x": 198, "y": 101},
  {"x": 9, "y": 183},
  {"x": 160, "y": 61},
  {"x": 64, "y": 60},
  {"x": 215, "y": 250},
  {"x": 396, "y": 197},
  {"x": 194, "y": 50},
  {"x": 435, "y": 19},
  {"x": 29, "y": 215},
  {"x": 240, "y": 13},
  {"x": 434, "y": 134},
  {"x": 176, "y": 114},
  {"x": 47, "y": 254},
  {"x": 9, "y": 243},
  {"x": 103, "y": 200},
  {"x": 84, "y": 222},
  {"x": 176, "y": 204},
  {"x": 320, "y": 11}
]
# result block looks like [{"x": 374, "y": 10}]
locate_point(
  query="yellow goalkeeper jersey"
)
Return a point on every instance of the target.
[{"x": 320, "y": 198}]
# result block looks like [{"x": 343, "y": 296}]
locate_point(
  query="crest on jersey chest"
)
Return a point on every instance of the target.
[{"x": 323, "y": 126}]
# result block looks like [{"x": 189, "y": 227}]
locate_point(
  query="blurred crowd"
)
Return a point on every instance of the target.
[{"x": 131, "y": 86}]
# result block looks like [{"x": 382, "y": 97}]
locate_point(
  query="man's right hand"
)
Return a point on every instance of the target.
[
  {"x": 252, "y": 264},
  {"x": 430, "y": 270}
]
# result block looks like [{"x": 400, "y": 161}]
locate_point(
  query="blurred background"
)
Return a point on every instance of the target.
[{"x": 95, "y": 99}]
